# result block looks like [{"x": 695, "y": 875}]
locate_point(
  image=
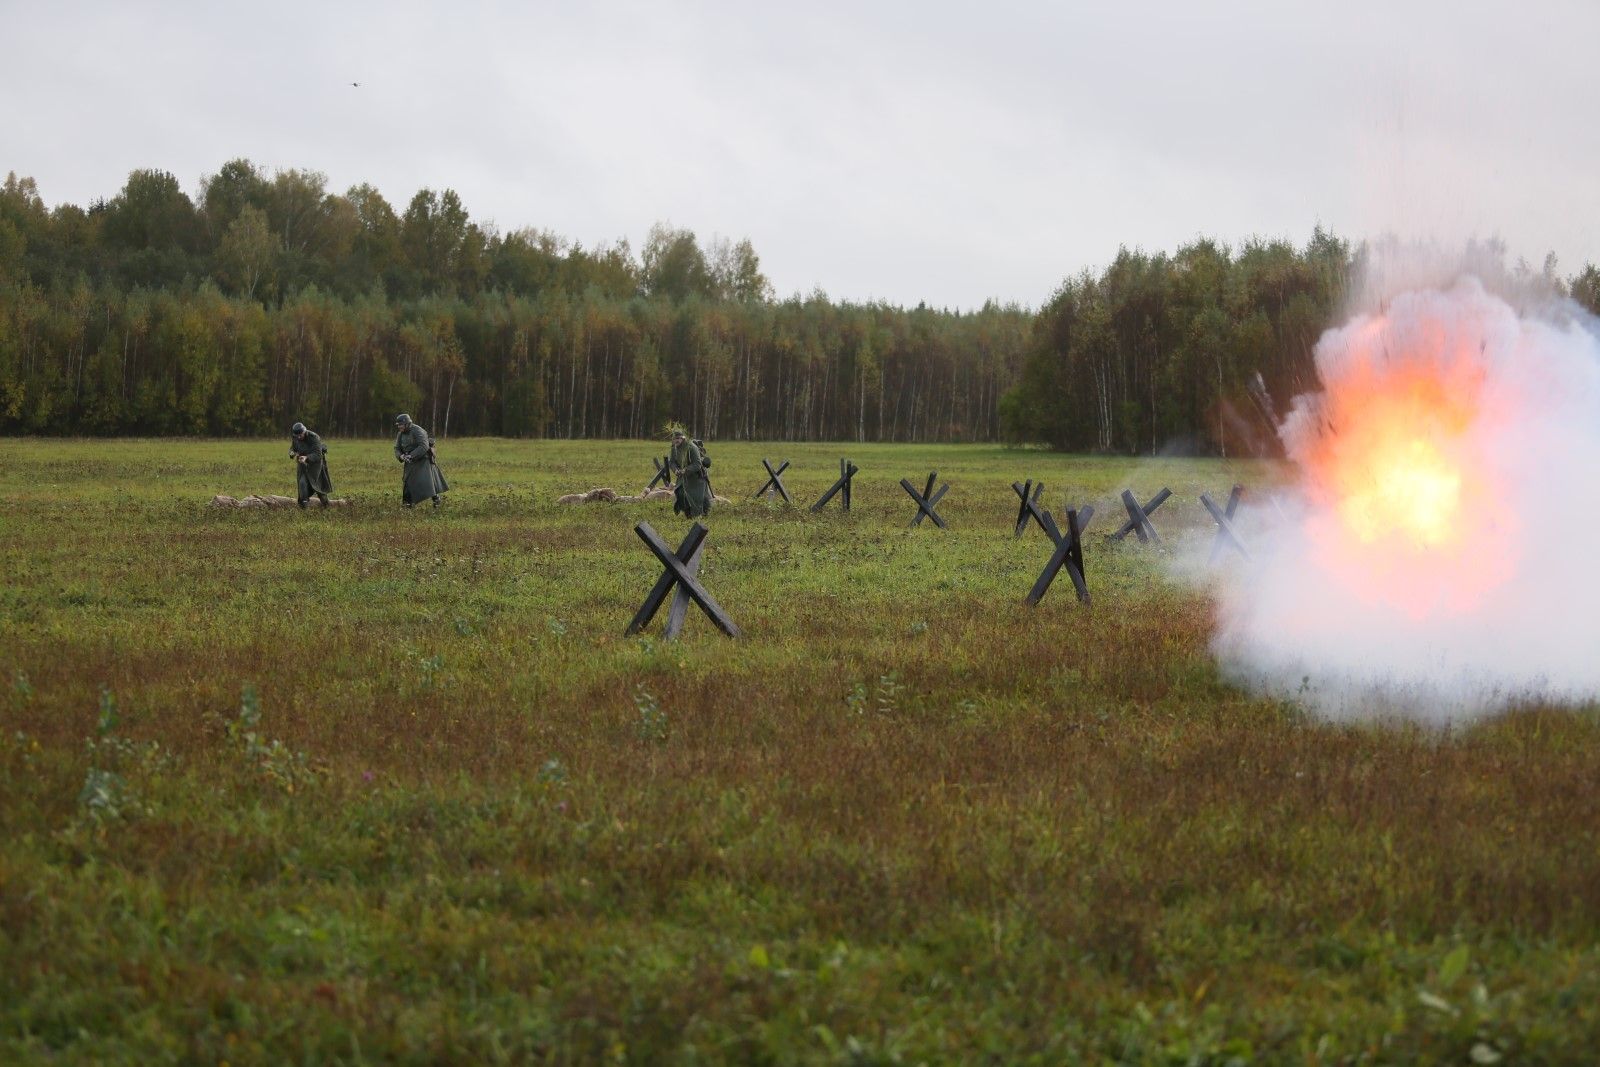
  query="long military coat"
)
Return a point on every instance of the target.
[
  {"x": 692, "y": 497},
  {"x": 422, "y": 478},
  {"x": 311, "y": 477}
]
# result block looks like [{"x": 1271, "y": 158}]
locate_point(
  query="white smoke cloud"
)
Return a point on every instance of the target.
[{"x": 1359, "y": 604}]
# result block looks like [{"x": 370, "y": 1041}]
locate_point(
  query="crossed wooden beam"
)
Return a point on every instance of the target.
[
  {"x": 1139, "y": 517},
  {"x": 927, "y": 500},
  {"x": 1227, "y": 536},
  {"x": 774, "y": 481},
  {"x": 1068, "y": 553},
  {"x": 682, "y": 571},
  {"x": 1031, "y": 511},
  {"x": 663, "y": 472},
  {"x": 1030, "y": 494},
  {"x": 847, "y": 470}
]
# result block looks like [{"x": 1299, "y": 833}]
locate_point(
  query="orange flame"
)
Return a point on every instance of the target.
[{"x": 1396, "y": 466}]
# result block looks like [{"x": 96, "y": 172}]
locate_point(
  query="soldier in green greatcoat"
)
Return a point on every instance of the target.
[
  {"x": 692, "y": 495},
  {"x": 414, "y": 448},
  {"x": 310, "y": 457}
]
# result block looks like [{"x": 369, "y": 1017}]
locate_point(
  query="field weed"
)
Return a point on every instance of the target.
[{"x": 271, "y": 761}]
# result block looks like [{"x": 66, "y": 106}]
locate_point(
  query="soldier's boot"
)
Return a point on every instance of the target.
[
  {"x": 324, "y": 498},
  {"x": 302, "y": 503},
  {"x": 435, "y": 501}
]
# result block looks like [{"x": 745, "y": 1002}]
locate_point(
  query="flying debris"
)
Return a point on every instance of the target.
[{"x": 1263, "y": 401}]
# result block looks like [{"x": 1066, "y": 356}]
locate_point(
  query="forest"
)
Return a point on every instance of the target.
[{"x": 267, "y": 298}]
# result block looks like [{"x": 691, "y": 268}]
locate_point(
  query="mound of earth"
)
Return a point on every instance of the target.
[
  {"x": 611, "y": 496},
  {"x": 271, "y": 501}
]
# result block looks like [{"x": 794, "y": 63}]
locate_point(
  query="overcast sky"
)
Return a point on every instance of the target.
[{"x": 904, "y": 152}]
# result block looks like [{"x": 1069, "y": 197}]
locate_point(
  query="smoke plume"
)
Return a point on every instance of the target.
[{"x": 1436, "y": 556}]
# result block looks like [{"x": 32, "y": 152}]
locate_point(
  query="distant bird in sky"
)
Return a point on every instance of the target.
[{"x": 356, "y": 84}]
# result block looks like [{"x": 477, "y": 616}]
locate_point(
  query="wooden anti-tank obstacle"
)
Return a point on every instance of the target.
[
  {"x": 682, "y": 569},
  {"x": 663, "y": 472},
  {"x": 1029, "y": 492},
  {"x": 774, "y": 482},
  {"x": 1139, "y": 517},
  {"x": 1068, "y": 553},
  {"x": 847, "y": 471},
  {"x": 1227, "y": 536},
  {"x": 927, "y": 500},
  {"x": 1032, "y": 512}
]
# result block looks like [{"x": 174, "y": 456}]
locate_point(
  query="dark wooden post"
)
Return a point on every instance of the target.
[
  {"x": 774, "y": 482},
  {"x": 927, "y": 500},
  {"x": 1047, "y": 523},
  {"x": 847, "y": 471},
  {"x": 1027, "y": 491},
  {"x": 681, "y": 570},
  {"x": 1068, "y": 553},
  {"x": 680, "y": 598},
  {"x": 1139, "y": 518},
  {"x": 1226, "y": 534},
  {"x": 658, "y": 592}
]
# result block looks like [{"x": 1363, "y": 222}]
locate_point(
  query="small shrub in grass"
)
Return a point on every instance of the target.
[
  {"x": 277, "y": 764},
  {"x": 652, "y": 724},
  {"x": 107, "y": 794},
  {"x": 890, "y": 692},
  {"x": 20, "y": 747},
  {"x": 430, "y": 666},
  {"x": 883, "y": 697},
  {"x": 1464, "y": 1010},
  {"x": 552, "y": 774}
]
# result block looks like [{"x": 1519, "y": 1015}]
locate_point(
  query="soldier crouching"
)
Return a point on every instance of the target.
[
  {"x": 422, "y": 479},
  {"x": 310, "y": 457}
]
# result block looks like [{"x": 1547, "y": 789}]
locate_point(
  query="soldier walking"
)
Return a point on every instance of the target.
[
  {"x": 422, "y": 479},
  {"x": 692, "y": 496},
  {"x": 310, "y": 457}
]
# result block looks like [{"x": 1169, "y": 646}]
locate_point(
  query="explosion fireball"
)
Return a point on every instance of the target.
[{"x": 1411, "y": 577}]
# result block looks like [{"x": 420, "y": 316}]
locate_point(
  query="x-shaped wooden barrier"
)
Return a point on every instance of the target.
[
  {"x": 1139, "y": 518},
  {"x": 774, "y": 481},
  {"x": 682, "y": 571},
  {"x": 927, "y": 500},
  {"x": 1226, "y": 535},
  {"x": 847, "y": 470},
  {"x": 1030, "y": 494},
  {"x": 1032, "y": 512},
  {"x": 1068, "y": 553},
  {"x": 663, "y": 472}
]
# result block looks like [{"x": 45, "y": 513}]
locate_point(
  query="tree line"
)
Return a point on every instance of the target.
[
  {"x": 269, "y": 298},
  {"x": 1203, "y": 350}
]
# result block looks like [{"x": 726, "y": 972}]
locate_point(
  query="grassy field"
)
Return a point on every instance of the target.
[{"x": 385, "y": 786}]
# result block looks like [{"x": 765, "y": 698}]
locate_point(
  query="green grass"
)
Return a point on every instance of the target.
[{"x": 905, "y": 819}]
